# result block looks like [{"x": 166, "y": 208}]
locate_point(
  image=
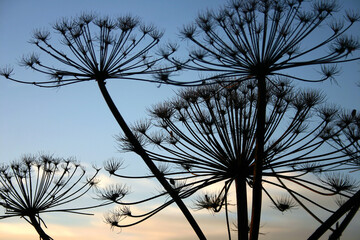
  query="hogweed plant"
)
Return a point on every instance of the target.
[
  {"x": 37, "y": 185},
  {"x": 264, "y": 39},
  {"x": 256, "y": 39},
  {"x": 206, "y": 137},
  {"x": 349, "y": 207},
  {"x": 99, "y": 49}
]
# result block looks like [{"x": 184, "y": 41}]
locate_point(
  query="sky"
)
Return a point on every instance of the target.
[{"x": 74, "y": 121}]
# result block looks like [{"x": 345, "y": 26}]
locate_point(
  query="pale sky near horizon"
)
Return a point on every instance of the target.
[{"x": 74, "y": 121}]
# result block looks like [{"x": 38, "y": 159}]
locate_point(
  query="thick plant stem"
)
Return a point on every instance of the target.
[
  {"x": 38, "y": 228},
  {"x": 337, "y": 233},
  {"x": 352, "y": 203},
  {"x": 242, "y": 213},
  {"x": 259, "y": 159},
  {"x": 140, "y": 150}
]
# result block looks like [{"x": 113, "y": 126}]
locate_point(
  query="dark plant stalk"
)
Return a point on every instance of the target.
[
  {"x": 209, "y": 136},
  {"x": 227, "y": 217},
  {"x": 338, "y": 231},
  {"x": 347, "y": 206},
  {"x": 140, "y": 150},
  {"x": 241, "y": 204},
  {"x": 258, "y": 165},
  {"x": 38, "y": 228}
]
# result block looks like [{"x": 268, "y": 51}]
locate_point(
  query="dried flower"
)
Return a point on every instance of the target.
[{"x": 43, "y": 184}]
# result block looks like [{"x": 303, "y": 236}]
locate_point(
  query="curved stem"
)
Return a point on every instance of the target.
[
  {"x": 38, "y": 228},
  {"x": 140, "y": 150},
  {"x": 227, "y": 217}
]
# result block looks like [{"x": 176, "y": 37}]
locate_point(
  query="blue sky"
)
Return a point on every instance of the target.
[{"x": 74, "y": 121}]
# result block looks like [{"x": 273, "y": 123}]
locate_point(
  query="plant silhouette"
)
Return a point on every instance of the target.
[
  {"x": 256, "y": 40},
  {"x": 262, "y": 40},
  {"x": 44, "y": 184},
  {"x": 207, "y": 136},
  {"x": 100, "y": 49},
  {"x": 351, "y": 206}
]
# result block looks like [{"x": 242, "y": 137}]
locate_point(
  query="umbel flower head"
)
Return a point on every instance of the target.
[
  {"x": 44, "y": 184},
  {"x": 206, "y": 136},
  {"x": 99, "y": 49},
  {"x": 95, "y": 48},
  {"x": 263, "y": 38},
  {"x": 347, "y": 206}
]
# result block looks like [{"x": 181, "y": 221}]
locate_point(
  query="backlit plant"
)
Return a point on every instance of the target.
[
  {"x": 207, "y": 136},
  {"x": 35, "y": 186}
]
